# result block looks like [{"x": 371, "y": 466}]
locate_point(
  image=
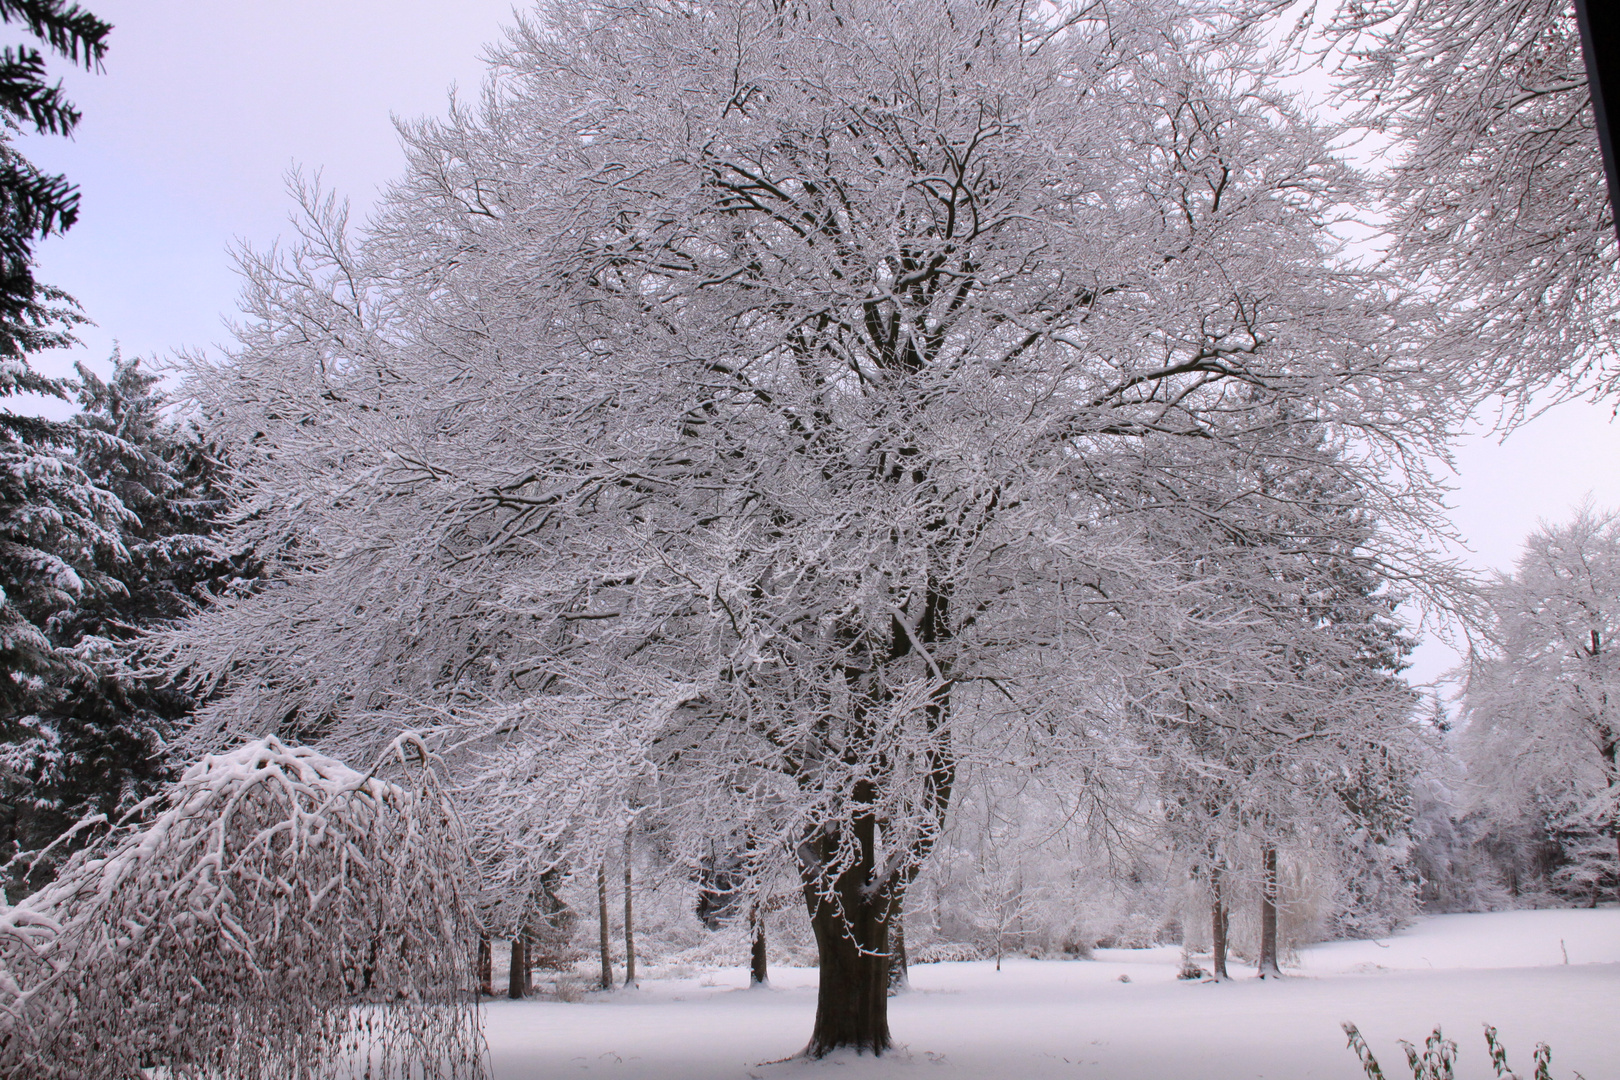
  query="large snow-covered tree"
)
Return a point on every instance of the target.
[
  {"x": 1268, "y": 702},
  {"x": 749, "y": 395},
  {"x": 58, "y": 528},
  {"x": 1542, "y": 698}
]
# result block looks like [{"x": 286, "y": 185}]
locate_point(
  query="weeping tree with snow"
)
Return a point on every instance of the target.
[
  {"x": 1542, "y": 698},
  {"x": 743, "y": 397},
  {"x": 273, "y": 914}
]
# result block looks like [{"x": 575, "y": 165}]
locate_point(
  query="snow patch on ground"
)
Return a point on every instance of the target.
[
  {"x": 1500, "y": 939},
  {"x": 1076, "y": 1019}
]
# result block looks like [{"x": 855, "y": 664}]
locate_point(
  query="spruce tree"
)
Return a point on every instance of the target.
[
  {"x": 93, "y": 740},
  {"x": 58, "y": 529}
]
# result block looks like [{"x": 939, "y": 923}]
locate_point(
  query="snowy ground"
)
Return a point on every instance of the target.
[{"x": 1080, "y": 1019}]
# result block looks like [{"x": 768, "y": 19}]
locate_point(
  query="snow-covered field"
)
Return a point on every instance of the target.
[{"x": 1082, "y": 1019}]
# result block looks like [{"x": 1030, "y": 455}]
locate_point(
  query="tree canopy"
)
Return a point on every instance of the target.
[{"x": 763, "y": 396}]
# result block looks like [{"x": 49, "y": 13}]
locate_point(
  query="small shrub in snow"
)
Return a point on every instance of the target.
[
  {"x": 1435, "y": 1063},
  {"x": 948, "y": 952},
  {"x": 275, "y": 914},
  {"x": 1438, "y": 1058},
  {"x": 1189, "y": 968}
]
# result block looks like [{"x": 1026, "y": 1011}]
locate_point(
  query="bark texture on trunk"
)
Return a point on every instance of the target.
[
  {"x": 852, "y": 1001},
  {"x": 899, "y": 968},
  {"x": 1611, "y": 750},
  {"x": 629, "y": 918},
  {"x": 850, "y": 916},
  {"x": 604, "y": 938},
  {"x": 758, "y": 973},
  {"x": 517, "y": 972},
  {"x": 486, "y": 966},
  {"x": 854, "y": 897},
  {"x": 529, "y": 950},
  {"x": 1217, "y": 921},
  {"x": 1268, "y": 914}
]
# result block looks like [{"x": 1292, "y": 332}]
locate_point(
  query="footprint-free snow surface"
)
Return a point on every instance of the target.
[{"x": 1079, "y": 1019}]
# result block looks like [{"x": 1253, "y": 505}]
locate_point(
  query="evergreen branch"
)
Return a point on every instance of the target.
[
  {"x": 65, "y": 27},
  {"x": 24, "y": 95}
]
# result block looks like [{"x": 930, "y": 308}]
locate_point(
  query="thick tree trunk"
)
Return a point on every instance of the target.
[
  {"x": 850, "y": 914},
  {"x": 852, "y": 1002},
  {"x": 486, "y": 966},
  {"x": 517, "y": 972},
  {"x": 629, "y": 918},
  {"x": 852, "y": 903},
  {"x": 1217, "y": 920},
  {"x": 1268, "y": 914},
  {"x": 604, "y": 929},
  {"x": 758, "y": 974}
]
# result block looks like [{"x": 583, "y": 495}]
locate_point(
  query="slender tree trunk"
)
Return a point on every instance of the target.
[
  {"x": 1268, "y": 914},
  {"x": 1217, "y": 921},
  {"x": 517, "y": 970},
  {"x": 629, "y": 915},
  {"x": 602, "y": 925},
  {"x": 899, "y": 970},
  {"x": 758, "y": 974},
  {"x": 1613, "y": 749},
  {"x": 1609, "y": 748},
  {"x": 486, "y": 966}
]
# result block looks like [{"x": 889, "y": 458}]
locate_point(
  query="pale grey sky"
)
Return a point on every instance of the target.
[
  {"x": 205, "y": 105},
  {"x": 202, "y": 109}
]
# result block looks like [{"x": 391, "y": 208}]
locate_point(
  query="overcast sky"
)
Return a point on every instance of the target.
[{"x": 205, "y": 106}]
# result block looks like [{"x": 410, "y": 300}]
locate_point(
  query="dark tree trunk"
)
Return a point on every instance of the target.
[
  {"x": 629, "y": 918},
  {"x": 1217, "y": 921},
  {"x": 852, "y": 1001},
  {"x": 899, "y": 971},
  {"x": 852, "y": 904},
  {"x": 758, "y": 973},
  {"x": 517, "y": 972},
  {"x": 486, "y": 966},
  {"x": 1612, "y": 751},
  {"x": 604, "y": 930},
  {"x": 850, "y": 916},
  {"x": 1268, "y": 914}
]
